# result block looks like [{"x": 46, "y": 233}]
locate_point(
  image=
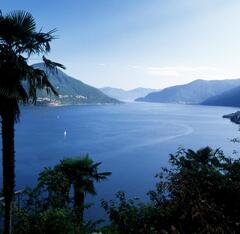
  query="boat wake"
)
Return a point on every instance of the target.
[{"x": 187, "y": 131}]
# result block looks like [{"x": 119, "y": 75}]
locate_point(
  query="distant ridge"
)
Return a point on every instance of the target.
[
  {"x": 126, "y": 95},
  {"x": 194, "y": 92},
  {"x": 228, "y": 98},
  {"x": 71, "y": 91}
]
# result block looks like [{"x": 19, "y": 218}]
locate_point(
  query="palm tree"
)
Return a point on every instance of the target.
[
  {"x": 19, "y": 81},
  {"x": 82, "y": 172}
]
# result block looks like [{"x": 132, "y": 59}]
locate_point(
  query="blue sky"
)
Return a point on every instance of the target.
[{"x": 148, "y": 43}]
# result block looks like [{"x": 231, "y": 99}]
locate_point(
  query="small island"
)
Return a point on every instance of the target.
[{"x": 234, "y": 117}]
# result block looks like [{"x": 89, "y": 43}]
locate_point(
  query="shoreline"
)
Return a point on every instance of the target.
[{"x": 234, "y": 117}]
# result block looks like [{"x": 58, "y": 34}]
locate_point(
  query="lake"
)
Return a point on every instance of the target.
[{"x": 132, "y": 140}]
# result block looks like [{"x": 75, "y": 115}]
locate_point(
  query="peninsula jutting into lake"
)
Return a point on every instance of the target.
[{"x": 234, "y": 117}]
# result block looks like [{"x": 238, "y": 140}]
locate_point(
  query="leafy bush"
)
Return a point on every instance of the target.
[
  {"x": 49, "y": 221},
  {"x": 51, "y": 207},
  {"x": 200, "y": 193}
]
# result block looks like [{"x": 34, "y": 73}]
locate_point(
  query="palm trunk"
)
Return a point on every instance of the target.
[
  {"x": 8, "y": 167},
  {"x": 78, "y": 203}
]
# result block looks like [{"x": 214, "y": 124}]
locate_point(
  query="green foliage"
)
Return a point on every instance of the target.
[
  {"x": 129, "y": 216},
  {"x": 50, "y": 206},
  {"x": 200, "y": 193},
  {"x": 19, "y": 41},
  {"x": 82, "y": 172},
  {"x": 61, "y": 221},
  {"x": 55, "y": 187},
  {"x": 38, "y": 213}
]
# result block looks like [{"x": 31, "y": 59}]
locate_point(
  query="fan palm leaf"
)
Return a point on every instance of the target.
[
  {"x": 19, "y": 82},
  {"x": 82, "y": 172}
]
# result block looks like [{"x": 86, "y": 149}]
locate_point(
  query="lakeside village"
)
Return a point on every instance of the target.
[{"x": 61, "y": 99}]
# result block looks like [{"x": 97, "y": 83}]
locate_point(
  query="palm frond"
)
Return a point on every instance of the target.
[
  {"x": 52, "y": 66},
  {"x": 37, "y": 79},
  {"x": 23, "y": 21},
  {"x": 101, "y": 176},
  {"x": 15, "y": 92},
  {"x": 35, "y": 44},
  {"x": 88, "y": 187},
  {"x": 16, "y": 27}
]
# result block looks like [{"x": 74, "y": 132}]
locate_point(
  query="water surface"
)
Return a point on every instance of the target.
[{"x": 132, "y": 140}]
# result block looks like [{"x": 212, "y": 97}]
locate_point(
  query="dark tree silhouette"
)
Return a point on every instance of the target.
[
  {"x": 81, "y": 172},
  {"x": 19, "y": 81}
]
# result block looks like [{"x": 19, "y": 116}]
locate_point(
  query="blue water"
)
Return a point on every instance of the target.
[{"x": 132, "y": 140}]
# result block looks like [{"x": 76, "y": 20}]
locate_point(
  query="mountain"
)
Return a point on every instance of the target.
[
  {"x": 71, "y": 91},
  {"x": 126, "y": 95},
  {"x": 194, "y": 92},
  {"x": 228, "y": 98}
]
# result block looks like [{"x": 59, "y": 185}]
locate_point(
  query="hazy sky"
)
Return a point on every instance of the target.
[{"x": 148, "y": 43}]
